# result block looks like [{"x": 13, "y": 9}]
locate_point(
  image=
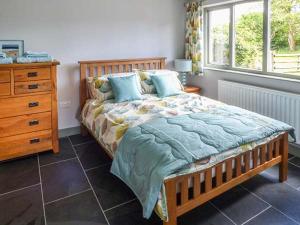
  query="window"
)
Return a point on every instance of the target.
[
  {"x": 285, "y": 37},
  {"x": 248, "y": 33},
  {"x": 257, "y": 35},
  {"x": 219, "y": 36}
]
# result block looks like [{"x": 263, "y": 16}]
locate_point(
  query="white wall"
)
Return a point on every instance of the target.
[
  {"x": 73, "y": 30},
  {"x": 209, "y": 81}
]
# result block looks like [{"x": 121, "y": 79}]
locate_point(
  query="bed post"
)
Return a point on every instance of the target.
[
  {"x": 284, "y": 150},
  {"x": 170, "y": 186},
  {"x": 83, "y": 93}
]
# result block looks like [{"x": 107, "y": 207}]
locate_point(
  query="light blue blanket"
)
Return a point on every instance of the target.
[
  {"x": 34, "y": 59},
  {"x": 151, "y": 151}
]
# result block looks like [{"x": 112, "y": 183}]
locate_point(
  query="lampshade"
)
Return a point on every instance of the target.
[{"x": 183, "y": 65}]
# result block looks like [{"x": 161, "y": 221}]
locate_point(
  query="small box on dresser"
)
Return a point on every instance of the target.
[{"x": 28, "y": 109}]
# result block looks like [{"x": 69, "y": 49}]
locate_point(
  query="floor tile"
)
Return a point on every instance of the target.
[
  {"x": 279, "y": 195},
  {"x": 239, "y": 205},
  {"x": 293, "y": 174},
  {"x": 91, "y": 155},
  {"x": 18, "y": 174},
  {"x": 81, "y": 209},
  {"x": 63, "y": 179},
  {"x": 110, "y": 190},
  {"x": 295, "y": 161},
  {"x": 66, "y": 152},
  {"x": 271, "y": 217},
  {"x": 22, "y": 207},
  {"x": 130, "y": 214},
  {"x": 204, "y": 215},
  {"x": 79, "y": 139}
]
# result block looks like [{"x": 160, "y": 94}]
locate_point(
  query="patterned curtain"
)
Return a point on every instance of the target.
[{"x": 193, "y": 37}]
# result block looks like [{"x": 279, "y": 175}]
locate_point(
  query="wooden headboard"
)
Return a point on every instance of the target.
[{"x": 101, "y": 67}]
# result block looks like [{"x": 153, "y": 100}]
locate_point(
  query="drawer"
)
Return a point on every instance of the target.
[
  {"x": 32, "y": 87},
  {"x": 25, "y": 124},
  {"x": 10, "y": 107},
  {"x": 4, "y": 76},
  {"x": 32, "y": 74},
  {"x": 25, "y": 144},
  {"x": 4, "y": 89}
]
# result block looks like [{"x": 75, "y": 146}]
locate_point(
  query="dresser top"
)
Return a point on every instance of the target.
[{"x": 24, "y": 65}]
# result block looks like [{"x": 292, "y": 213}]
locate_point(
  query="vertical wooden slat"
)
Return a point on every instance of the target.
[
  {"x": 262, "y": 154},
  {"x": 106, "y": 69},
  {"x": 127, "y": 68},
  {"x": 219, "y": 175},
  {"x": 92, "y": 70},
  {"x": 184, "y": 190},
  {"x": 238, "y": 166},
  {"x": 255, "y": 157},
  {"x": 197, "y": 185},
  {"x": 228, "y": 170},
  {"x": 270, "y": 150},
  {"x": 99, "y": 70},
  {"x": 247, "y": 161},
  {"x": 208, "y": 180},
  {"x": 277, "y": 147},
  {"x": 113, "y": 69}
]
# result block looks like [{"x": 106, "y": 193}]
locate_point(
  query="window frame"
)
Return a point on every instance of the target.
[{"x": 266, "y": 63}]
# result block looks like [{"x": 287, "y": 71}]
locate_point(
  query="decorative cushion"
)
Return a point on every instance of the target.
[
  {"x": 147, "y": 84},
  {"x": 99, "y": 88},
  {"x": 125, "y": 88},
  {"x": 164, "y": 86}
]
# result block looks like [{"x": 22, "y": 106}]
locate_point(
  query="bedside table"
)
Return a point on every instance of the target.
[{"x": 192, "y": 89}]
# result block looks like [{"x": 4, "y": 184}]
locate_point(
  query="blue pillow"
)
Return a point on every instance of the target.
[
  {"x": 165, "y": 86},
  {"x": 125, "y": 88}
]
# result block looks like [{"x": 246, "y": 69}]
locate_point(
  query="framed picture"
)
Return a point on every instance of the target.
[{"x": 12, "y": 48}]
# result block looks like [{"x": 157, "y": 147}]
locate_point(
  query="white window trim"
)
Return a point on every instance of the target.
[{"x": 267, "y": 42}]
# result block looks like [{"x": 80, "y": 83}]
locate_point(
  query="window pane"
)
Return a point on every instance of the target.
[
  {"x": 219, "y": 37},
  {"x": 249, "y": 35},
  {"x": 285, "y": 37}
]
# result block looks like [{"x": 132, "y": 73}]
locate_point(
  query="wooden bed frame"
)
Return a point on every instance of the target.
[{"x": 262, "y": 157}]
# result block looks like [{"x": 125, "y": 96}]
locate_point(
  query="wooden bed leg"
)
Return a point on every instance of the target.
[
  {"x": 284, "y": 150},
  {"x": 171, "y": 202},
  {"x": 83, "y": 131}
]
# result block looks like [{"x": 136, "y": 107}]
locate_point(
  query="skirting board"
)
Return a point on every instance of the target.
[{"x": 68, "y": 132}]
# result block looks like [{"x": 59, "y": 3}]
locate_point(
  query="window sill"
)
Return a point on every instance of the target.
[{"x": 284, "y": 77}]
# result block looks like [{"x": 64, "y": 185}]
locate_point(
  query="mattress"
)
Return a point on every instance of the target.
[{"x": 108, "y": 122}]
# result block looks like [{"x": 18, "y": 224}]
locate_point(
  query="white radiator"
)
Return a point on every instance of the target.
[{"x": 279, "y": 105}]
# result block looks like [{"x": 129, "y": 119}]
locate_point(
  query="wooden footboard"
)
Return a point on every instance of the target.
[{"x": 238, "y": 170}]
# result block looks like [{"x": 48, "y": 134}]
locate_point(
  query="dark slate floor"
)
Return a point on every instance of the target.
[{"x": 76, "y": 188}]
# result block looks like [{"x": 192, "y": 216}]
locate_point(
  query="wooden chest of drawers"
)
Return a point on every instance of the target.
[{"x": 28, "y": 109}]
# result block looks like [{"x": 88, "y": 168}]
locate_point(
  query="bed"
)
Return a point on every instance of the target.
[{"x": 199, "y": 182}]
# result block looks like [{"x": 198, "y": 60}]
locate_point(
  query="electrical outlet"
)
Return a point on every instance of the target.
[{"x": 65, "y": 104}]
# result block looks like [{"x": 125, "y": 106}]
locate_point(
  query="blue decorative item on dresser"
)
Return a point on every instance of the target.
[{"x": 183, "y": 66}]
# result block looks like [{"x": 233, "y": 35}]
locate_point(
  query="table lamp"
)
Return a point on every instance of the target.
[{"x": 183, "y": 66}]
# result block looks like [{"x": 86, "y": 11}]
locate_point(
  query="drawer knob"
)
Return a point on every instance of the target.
[
  {"x": 33, "y": 104},
  {"x": 33, "y": 122},
  {"x": 32, "y": 74},
  {"x": 33, "y": 86},
  {"x": 34, "y": 141}
]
